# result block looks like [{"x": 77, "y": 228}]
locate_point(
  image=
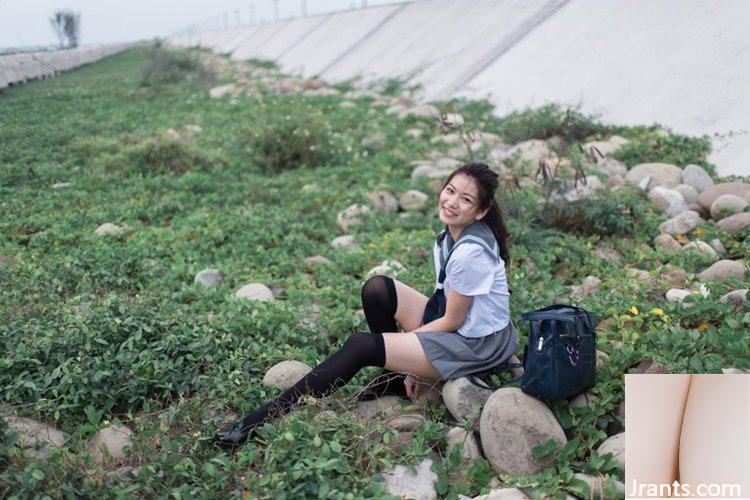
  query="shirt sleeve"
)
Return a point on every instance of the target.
[{"x": 469, "y": 271}]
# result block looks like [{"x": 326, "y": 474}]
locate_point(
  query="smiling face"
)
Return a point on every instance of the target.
[{"x": 459, "y": 203}]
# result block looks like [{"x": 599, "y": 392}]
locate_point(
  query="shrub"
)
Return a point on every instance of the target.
[
  {"x": 293, "y": 135},
  {"x": 262, "y": 63},
  {"x": 173, "y": 66},
  {"x": 548, "y": 121},
  {"x": 651, "y": 144},
  {"x": 160, "y": 155}
]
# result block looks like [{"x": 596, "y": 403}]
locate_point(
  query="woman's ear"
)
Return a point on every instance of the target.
[{"x": 481, "y": 216}]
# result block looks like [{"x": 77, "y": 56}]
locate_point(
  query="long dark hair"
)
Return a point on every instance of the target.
[{"x": 487, "y": 182}]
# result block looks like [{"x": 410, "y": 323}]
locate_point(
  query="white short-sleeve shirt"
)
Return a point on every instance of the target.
[{"x": 472, "y": 271}]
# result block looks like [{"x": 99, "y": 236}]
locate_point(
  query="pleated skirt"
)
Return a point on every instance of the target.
[{"x": 454, "y": 355}]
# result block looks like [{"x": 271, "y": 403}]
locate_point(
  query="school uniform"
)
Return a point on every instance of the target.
[{"x": 487, "y": 337}]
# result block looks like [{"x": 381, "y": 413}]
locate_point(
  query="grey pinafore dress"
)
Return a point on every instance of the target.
[{"x": 454, "y": 355}]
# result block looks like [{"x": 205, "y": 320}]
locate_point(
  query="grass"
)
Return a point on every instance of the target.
[{"x": 172, "y": 361}]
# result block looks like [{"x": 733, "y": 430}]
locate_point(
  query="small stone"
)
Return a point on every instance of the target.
[
  {"x": 726, "y": 205},
  {"x": 375, "y": 140},
  {"x": 718, "y": 246},
  {"x": 666, "y": 198},
  {"x": 414, "y": 133},
  {"x": 108, "y": 228},
  {"x": 734, "y": 371},
  {"x": 590, "y": 285},
  {"x": 695, "y": 176},
  {"x": 616, "y": 446},
  {"x": 222, "y": 90},
  {"x": 285, "y": 374},
  {"x": 736, "y": 297},
  {"x": 114, "y": 439},
  {"x": 255, "y": 291},
  {"x": 688, "y": 192},
  {"x": 413, "y": 200},
  {"x": 390, "y": 405},
  {"x": 173, "y": 134},
  {"x": 677, "y": 294},
  {"x": 422, "y": 111},
  {"x": 388, "y": 267},
  {"x": 666, "y": 243},
  {"x": 600, "y": 488},
  {"x": 612, "y": 167},
  {"x": 210, "y": 278},
  {"x": 193, "y": 129},
  {"x": 735, "y": 224},
  {"x": 584, "y": 189},
  {"x": 682, "y": 223},
  {"x": 580, "y": 401},
  {"x": 400, "y": 481},
  {"x": 351, "y": 215},
  {"x": 650, "y": 367},
  {"x": 723, "y": 270},
  {"x": 346, "y": 242},
  {"x": 460, "y": 396},
  {"x": 700, "y": 247},
  {"x": 640, "y": 274},
  {"x": 607, "y": 147},
  {"x": 531, "y": 152},
  {"x": 317, "y": 260},
  {"x": 61, "y": 185},
  {"x": 674, "y": 278},
  {"x": 37, "y": 438},
  {"x": 347, "y": 104},
  {"x": 407, "y": 422},
  {"x": 662, "y": 174},
  {"x": 383, "y": 201}
]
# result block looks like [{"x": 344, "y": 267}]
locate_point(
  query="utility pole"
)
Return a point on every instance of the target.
[
  {"x": 252, "y": 12},
  {"x": 236, "y": 18},
  {"x": 304, "y": 8},
  {"x": 275, "y": 10},
  {"x": 225, "y": 19}
]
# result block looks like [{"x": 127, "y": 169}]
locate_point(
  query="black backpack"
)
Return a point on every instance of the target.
[{"x": 559, "y": 360}]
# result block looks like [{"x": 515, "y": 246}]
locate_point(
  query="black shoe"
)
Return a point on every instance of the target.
[{"x": 233, "y": 436}]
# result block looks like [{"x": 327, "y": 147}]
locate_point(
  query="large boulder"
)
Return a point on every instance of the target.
[
  {"x": 726, "y": 205},
  {"x": 285, "y": 374},
  {"x": 512, "y": 423},
  {"x": 36, "y": 438},
  {"x": 255, "y": 291},
  {"x": 666, "y": 243},
  {"x": 735, "y": 224},
  {"x": 723, "y": 270},
  {"x": 695, "y": 176},
  {"x": 700, "y": 247},
  {"x": 460, "y": 396},
  {"x": 662, "y": 174},
  {"x": 708, "y": 197},
  {"x": 111, "y": 440},
  {"x": 670, "y": 201},
  {"x": 681, "y": 223},
  {"x": 402, "y": 483}
]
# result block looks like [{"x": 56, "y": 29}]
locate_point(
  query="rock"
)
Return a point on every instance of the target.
[
  {"x": 255, "y": 291},
  {"x": 696, "y": 207},
  {"x": 644, "y": 182},
  {"x": 532, "y": 151},
  {"x": 606, "y": 147},
  {"x": 173, "y": 134},
  {"x": 345, "y": 242},
  {"x": 396, "y": 109},
  {"x": 501, "y": 494},
  {"x": 108, "y": 228},
  {"x": 347, "y": 104},
  {"x": 317, "y": 260},
  {"x": 682, "y": 223},
  {"x": 512, "y": 423},
  {"x": 718, "y": 246},
  {"x": 114, "y": 439},
  {"x": 590, "y": 285},
  {"x": 688, "y": 192},
  {"x": 425, "y": 170},
  {"x": 61, "y": 185},
  {"x": 311, "y": 84},
  {"x": 470, "y": 448},
  {"x": 707, "y": 197},
  {"x": 695, "y": 176},
  {"x": 580, "y": 401},
  {"x": 414, "y": 133},
  {"x": 723, "y": 270},
  {"x": 612, "y": 167},
  {"x": 383, "y": 201},
  {"x": 192, "y": 129},
  {"x": 614, "y": 182},
  {"x": 454, "y": 119},
  {"x": 675, "y": 277},
  {"x": 399, "y": 481},
  {"x": 351, "y": 215},
  {"x": 285, "y": 374},
  {"x": 616, "y": 446},
  {"x": 447, "y": 164},
  {"x": 726, "y": 205},
  {"x": 734, "y": 371},
  {"x": 321, "y": 92},
  {"x": 222, "y": 90},
  {"x": 662, "y": 174},
  {"x": 422, "y": 111},
  {"x": 735, "y": 296},
  {"x": 641, "y": 274},
  {"x": 390, "y": 405},
  {"x": 592, "y": 183},
  {"x": 700, "y": 247},
  {"x": 431, "y": 395},
  {"x": 460, "y": 395},
  {"x": 666, "y": 198},
  {"x": 388, "y": 267},
  {"x": 407, "y": 422},
  {"x": 609, "y": 254},
  {"x": 599, "y": 487},
  {"x": 375, "y": 140},
  {"x": 210, "y": 278},
  {"x": 677, "y": 294},
  {"x": 37, "y": 438},
  {"x": 735, "y": 224},
  {"x": 666, "y": 243},
  {"x": 650, "y": 367},
  {"x": 413, "y": 200},
  {"x": 81, "y": 310}
]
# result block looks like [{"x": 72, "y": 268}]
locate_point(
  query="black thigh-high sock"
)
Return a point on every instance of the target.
[
  {"x": 359, "y": 350},
  {"x": 380, "y": 302}
]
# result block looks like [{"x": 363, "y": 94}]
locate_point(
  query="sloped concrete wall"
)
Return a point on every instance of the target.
[
  {"x": 681, "y": 63},
  {"x": 18, "y": 68}
]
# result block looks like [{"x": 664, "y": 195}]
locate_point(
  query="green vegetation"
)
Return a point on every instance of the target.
[{"x": 98, "y": 329}]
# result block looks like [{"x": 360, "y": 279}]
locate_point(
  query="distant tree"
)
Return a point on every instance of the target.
[{"x": 67, "y": 26}]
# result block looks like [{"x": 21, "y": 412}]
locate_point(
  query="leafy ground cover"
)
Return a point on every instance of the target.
[{"x": 113, "y": 329}]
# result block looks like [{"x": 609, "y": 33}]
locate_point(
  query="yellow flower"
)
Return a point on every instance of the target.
[
  {"x": 657, "y": 311},
  {"x": 372, "y": 245},
  {"x": 699, "y": 232},
  {"x": 695, "y": 292},
  {"x": 703, "y": 326},
  {"x": 633, "y": 310}
]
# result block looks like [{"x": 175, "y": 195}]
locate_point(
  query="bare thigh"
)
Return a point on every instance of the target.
[
  {"x": 404, "y": 353},
  {"x": 653, "y": 418},
  {"x": 715, "y": 439},
  {"x": 410, "y": 307}
]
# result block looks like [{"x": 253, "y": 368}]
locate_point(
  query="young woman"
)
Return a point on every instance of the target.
[{"x": 464, "y": 328}]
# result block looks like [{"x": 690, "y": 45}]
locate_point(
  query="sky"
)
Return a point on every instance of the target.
[{"x": 25, "y": 23}]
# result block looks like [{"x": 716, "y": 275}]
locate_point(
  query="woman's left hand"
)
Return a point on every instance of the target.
[{"x": 413, "y": 386}]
